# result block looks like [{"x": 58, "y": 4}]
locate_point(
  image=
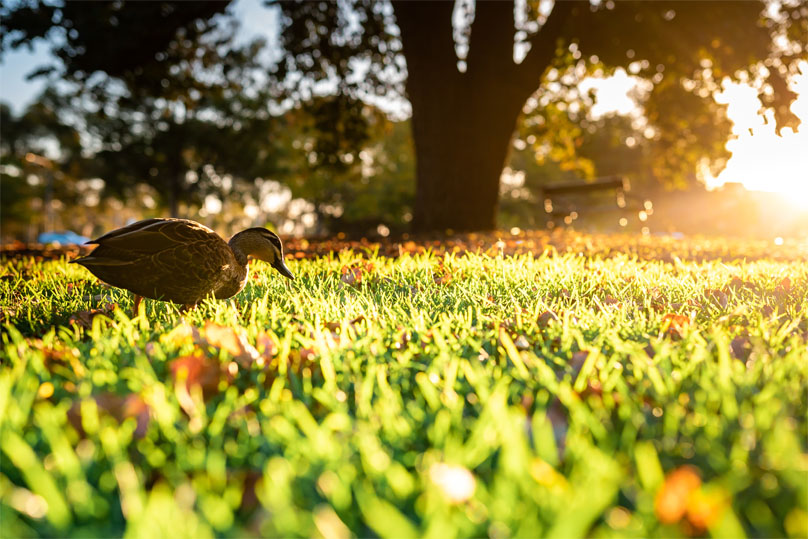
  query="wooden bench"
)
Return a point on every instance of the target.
[{"x": 568, "y": 201}]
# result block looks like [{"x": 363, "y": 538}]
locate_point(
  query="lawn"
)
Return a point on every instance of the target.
[{"x": 578, "y": 392}]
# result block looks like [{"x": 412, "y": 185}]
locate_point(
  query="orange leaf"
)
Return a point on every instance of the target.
[
  {"x": 704, "y": 507},
  {"x": 671, "y": 500},
  {"x": 674, "y": 324},
  {"x": 234, "y": 343},
  {"x": 181, "y": 334},
  {"x": 351, "y": 276},
  {"x": 198, "y": 370},
  {"x": 266, "y": 345}
]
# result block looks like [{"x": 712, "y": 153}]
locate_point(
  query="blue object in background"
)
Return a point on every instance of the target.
[{"x": 62, "y": 238}]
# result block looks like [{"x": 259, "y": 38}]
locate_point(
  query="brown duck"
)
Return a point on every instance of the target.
[{"x": 180, "y": 260}]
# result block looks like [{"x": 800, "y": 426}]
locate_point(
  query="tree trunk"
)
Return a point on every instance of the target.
[
  {"x": 463, "y": 122},
  {"x": 461, "y": 145},
  {"x": 175, "y": 190}
]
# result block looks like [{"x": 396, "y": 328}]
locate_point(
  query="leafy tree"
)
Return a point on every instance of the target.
[
  {"x": 352, "y": 162},
  {"x": 40, "y": 161},
  {"x": 162, "y": 90},
  {"x": 466, "y": 90}
]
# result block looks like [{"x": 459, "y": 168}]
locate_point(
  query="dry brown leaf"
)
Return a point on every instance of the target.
[
  {"x": 577, "y": 361},
  {"x": 266, "y": 345},
  {"x": 741, "y": 347},
  {"x": 717, "y": 296},
  {"x": 234, "y": 343},
  {"x": 119, "y": 407},
  {"x": 85, "y": 318},
  {"x": 545, "y": 318},
  {"x": 336, "y": 325},
  {"x": 352, "y": 275}
]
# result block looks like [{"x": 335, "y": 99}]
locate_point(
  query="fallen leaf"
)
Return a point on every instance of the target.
[
  {"x": 85, "y": 318},
  {"x": 784, "y": 285},
  {"x": 672, "y": 498},
  {"x": 705, "y": 507},
  {"x": 577, "y": 361},
  {"x": 741, "y": 347},
  {"x": 117, "y": 406},
  {"x": 336, "y": 325},
  {"x": 673, "y": 325},
  {"x": 234, "y": 343},
  {"x": 198, "y": 370},
  {"x": 545, "y": 318},
  {"x": 717, "y": 296},
  {"x": 184, "y": 333},
  {"x": 307, "y": 354},
  {"x": 266, "y": 345},
  {"x": 351, "y": 275}
]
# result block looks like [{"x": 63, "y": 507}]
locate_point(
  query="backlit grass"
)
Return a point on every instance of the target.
[{"x": 460, "y": 395}]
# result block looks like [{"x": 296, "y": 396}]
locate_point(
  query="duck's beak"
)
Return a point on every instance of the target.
[{"x": 282, "y": 269}]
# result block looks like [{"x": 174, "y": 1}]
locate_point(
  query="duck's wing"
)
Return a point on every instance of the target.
[
  {"x": 172, "y": 259},
  {"x": 153, "y": 236}
]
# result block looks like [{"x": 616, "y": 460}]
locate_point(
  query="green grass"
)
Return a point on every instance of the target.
[{"x": 454, "y": 407}]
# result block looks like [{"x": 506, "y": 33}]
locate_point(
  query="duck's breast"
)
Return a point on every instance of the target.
[{"x": 232, "y": 279}]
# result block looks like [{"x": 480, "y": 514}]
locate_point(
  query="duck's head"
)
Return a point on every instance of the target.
[{"x": 262, "y": 244}]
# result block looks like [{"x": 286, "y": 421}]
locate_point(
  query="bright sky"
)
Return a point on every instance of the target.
[{"x": 761, "y": 160}]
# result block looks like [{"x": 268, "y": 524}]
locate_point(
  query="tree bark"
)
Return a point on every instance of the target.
[
  {"x": 462, "y": 123},
  {"x": 175, "y": 194},
  {"x": 460, "y": 152}
]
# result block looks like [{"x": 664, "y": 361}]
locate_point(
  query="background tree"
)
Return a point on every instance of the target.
[
  {"x": 40, "y": 165},
  {"x": 467, "y": 91},
  {"x": 161, "y": 108},
  {"x": 352, "y": 163}
]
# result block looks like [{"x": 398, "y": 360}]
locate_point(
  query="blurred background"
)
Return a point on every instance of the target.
[{"x": 378, "y": 118}]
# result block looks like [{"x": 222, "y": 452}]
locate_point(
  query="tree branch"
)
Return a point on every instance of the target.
[
  {"x": 491, "y": 42},
  {"x": 428, "y": 46},
  {"x": 543, "y": 43}
]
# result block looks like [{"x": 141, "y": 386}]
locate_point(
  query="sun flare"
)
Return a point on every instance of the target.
[{"x": 761, "y": 159}]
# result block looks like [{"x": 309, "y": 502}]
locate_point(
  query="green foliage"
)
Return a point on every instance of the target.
[
  {"x": 353, "y": 163},
  {"x": 155, "y": 110},
  {"x": 36, "y": 144},
  {"x": 353, "y": 43},
  {"x": 434, "y": 396},
  {"x": 139, "y": 44}
]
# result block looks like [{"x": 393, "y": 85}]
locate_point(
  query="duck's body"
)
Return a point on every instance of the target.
[{"x": 180, "y": 260}]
